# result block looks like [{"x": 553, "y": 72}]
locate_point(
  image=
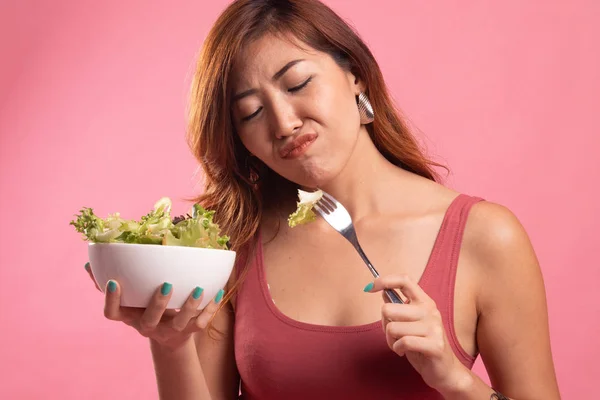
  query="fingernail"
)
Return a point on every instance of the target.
[
  {"x": 197, "y": 292},
  {"x": 112, "y": 286},
  {"x": 219, "y": 296},
  {"x": 87, "y": 266},
  {"x": 368, "y": 287},
  {"x": 166, "y": 288}
]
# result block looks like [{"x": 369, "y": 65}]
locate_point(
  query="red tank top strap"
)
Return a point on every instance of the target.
[
  {"x": 245, "y": 262},
  {"x": 440, "y": 278}
]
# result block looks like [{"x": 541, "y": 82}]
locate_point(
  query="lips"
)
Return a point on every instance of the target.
[{"x": 302, "y": 140}]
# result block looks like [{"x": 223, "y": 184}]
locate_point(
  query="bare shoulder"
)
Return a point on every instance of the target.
[
  {"x": 492, "y": 229},
  {"x": 500, "y": 248}
]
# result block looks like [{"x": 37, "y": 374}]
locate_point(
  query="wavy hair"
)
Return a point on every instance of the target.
[{"x": 238, "y": 200}]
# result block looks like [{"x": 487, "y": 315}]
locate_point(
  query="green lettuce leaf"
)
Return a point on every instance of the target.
[
  {"x": 304, "y": 212},
  {"x": 156, "y": 227}
]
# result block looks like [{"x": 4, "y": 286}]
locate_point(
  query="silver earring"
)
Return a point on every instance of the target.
[{"x": 365, "y": 109}]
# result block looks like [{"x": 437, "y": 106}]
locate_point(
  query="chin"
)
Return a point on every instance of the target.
[
  {"x": 311, "y": 172},
  {"x": 312, "y": 178}
]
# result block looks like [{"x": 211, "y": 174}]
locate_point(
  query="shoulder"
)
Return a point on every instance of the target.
[
  {"x": 500, "y": 249},
  {"x": 492, "y": 230}
]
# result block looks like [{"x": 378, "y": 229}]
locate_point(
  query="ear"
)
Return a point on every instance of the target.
[{"x": 356, "y": 83}]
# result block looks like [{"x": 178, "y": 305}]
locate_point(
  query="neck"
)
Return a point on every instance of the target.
[{"x": 363, "y": 186}]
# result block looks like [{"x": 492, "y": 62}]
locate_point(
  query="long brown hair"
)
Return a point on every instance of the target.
[{"x": 239, "y": 202}]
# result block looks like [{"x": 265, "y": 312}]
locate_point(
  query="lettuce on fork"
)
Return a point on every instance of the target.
[
  {"x": 304, "y": 212},
  {"x": 156, "y": 227}
]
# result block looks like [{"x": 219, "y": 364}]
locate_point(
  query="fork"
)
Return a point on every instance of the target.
[{"x": 339, "y": 218}]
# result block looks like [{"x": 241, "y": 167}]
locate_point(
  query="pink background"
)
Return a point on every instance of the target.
[{"x": 92, "y": 98}]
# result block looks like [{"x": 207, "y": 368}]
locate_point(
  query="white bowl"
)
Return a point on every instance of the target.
[{"x": 140, "y": 269}]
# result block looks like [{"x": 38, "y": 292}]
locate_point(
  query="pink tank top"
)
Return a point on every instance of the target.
[{"x": 279, "y": 358}]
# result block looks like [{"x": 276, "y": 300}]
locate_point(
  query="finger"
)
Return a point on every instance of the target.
[
  {"x": 386, "y": 299},
  {"x": 404, "y": 283},
  {"x": 417, "y": 344},
  {"x": 131, "y": 316},
  {"x": 88, "y": 268},
  {"x": 397, "y": 330},
  {"x": 189, "y": 310},
  {"x": 158, "y": 304},
  {"x": 402, "y": 312},
  {"x": 391, "y": 312},
  {"x": 206, "y": 314},
  {"x": 112, "y": 301}
]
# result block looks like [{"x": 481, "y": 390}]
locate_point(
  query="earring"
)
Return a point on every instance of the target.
[
  {"x": 365, "y": 109},
  {"x": 253, "y": 173}
]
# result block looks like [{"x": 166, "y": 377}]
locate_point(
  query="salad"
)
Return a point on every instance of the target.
[
  {"x": 304, "y": 212},
  {"x": 157, "y": 227}
]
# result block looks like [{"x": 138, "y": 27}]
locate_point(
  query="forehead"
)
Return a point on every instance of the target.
[{"x": 264, "y": 56}]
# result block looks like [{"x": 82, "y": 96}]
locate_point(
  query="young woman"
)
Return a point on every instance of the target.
[{"x": 275, "y": 107}]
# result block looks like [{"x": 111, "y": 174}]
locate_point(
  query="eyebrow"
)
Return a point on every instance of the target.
[{"x": 277, "y": 75}]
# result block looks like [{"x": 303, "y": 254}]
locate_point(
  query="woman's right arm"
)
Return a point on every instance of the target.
[
  {"x": 178, "y": 372},
  {"x": 203, "y": 367}
]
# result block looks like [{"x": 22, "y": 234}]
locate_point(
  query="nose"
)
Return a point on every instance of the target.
[{"x": 285, "y": 120}]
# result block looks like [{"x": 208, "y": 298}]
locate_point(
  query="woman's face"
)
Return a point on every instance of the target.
[{"x": 295, "y": 110}]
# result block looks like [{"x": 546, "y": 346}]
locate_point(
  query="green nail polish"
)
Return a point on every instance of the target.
[
  {"x": 166, "y": 288},
  {"x": 368, "y": 287},
  {"x": 219, "y": 296},
  {"x": 87, "y": 266},
  {"x": 112, "y": 286},
  {"x": 197, "y": 292}
]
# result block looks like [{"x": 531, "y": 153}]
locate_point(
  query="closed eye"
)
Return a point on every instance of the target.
[
  {"x": 301, "y": 86},
  {"x": 254, "y": 114},
  {"x": 291, "y": 90}
]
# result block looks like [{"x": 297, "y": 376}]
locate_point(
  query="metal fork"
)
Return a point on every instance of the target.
[{"x": 338, "y": 217}]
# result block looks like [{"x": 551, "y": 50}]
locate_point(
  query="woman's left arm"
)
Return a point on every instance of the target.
[{"x": 512, "y": 329}]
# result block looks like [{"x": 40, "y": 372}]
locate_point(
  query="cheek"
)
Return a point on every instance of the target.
[
  {"x": 249, "y": 142},
  {"x": 259, "y": 145},
  {"x": 336, "y": 109}
]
